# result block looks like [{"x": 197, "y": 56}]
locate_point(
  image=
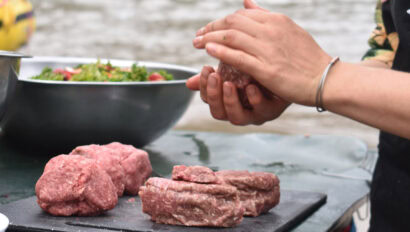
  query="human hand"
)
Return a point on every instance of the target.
[
  {"x": 270, "y": 47},
  {"x": 224, "y": 103},
  {"x": 223, "y": 99}
]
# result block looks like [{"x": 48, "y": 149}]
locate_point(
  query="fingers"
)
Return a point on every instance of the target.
[
  {"x": 257, "y": 15},
  {"x": 214, "y": 96},
  {"x": 237, "y": 58},
  {"x": 250, "y": 4},
  {"x": 264, "y": 109},
  {"x": 193, "y": 82},
  {"x": 230, "y": 38},
  {"x": 233, "y": 21},
  {"x": 206, "y": 70},
  {"x": 235, "y": 112}
]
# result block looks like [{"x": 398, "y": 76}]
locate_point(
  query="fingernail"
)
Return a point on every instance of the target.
[
  {"x": 205, "y": 74},
  {"x": 212, "y": 81},
  {"x": 198, "y": 40},
  {"x": 200, "y": 31},
  {"x": 227, "y": 90},
  {"x": 251, "y": 91},
  {"x": 211, "y": 48}
]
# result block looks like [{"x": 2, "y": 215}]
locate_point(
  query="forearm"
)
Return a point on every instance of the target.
[
  {"x": 374, "y": 96},
  {"x": 374, "y": 64}
]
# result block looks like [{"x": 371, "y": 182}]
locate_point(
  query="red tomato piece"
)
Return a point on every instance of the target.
[
  {"x": 66, "y": 74},
  {"x": 59, "y": 70},
  {"x": 156, "y": 77}
]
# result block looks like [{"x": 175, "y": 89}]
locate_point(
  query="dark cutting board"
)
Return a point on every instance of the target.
[{"x": 26, "y": 215}]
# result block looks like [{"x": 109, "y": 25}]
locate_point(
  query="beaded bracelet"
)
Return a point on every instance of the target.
[{"x": 319, "y": 93}]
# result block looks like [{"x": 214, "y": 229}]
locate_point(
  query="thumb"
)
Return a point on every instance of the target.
[{"x": 251, "y": 4}]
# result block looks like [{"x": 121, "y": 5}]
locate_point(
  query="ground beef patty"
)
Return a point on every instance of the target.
[
  {"x": 136, "y": 165},
  {"x": 75, "y": 185},
  {"x": 191, "y": 204},
  {"x": 240, "y": 80},
  {"x": 258, "y": 191},
  {"x": 195, "y": 174},
  {"x": 107, "y": 160}
]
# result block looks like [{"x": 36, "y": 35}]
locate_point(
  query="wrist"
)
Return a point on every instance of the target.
[
  {"x": 320, "y": 82},
  {"x": 321, "y": 65},
  {"x": 333, "y": 91}
]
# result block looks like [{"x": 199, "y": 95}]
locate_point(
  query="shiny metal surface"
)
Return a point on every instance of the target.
[
  {"x": 56, "y": 115},
  {"x": 9, "y": 70},
  {"x": 4, "y": 222}
]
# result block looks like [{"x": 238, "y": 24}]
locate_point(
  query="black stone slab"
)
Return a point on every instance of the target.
[{"x": 26, "y": 215}]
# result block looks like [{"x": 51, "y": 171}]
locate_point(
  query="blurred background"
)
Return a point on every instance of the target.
[{"x": 162, "y": 31}]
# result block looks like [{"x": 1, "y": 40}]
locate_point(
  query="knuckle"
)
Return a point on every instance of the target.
[
  {"x": 278, "y": 17},
  {"x": 212, "y": 97},
  {"x": 272, "y": 32},
  {"x": 237, "y": 122},
  {"x": 203, "y": 81},
  {"x": 240, "y": 60},
  {"x": 204, "y": 71},
  {"x": 229, "y": 36},
  {"x": 230, "y": 19},
  {"x": 209, "y": 27},
  {"x": 276, "y": 70},
  {"x": 209, "y": 69},
  {"x": 203, "y": 96},
  {"x": 275, "y": 34},
  {"x": 240, "y": 12},
  {"x": 217, "y": 113},
  {"x": 283, "y": 18},
  {"x": 230, "y": 103}
]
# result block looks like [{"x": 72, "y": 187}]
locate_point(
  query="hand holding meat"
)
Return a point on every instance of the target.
[
  {"x": 235, "y": 96},
  {"x": 225, "y": 104},
  {"x": 271, "y": 48}
]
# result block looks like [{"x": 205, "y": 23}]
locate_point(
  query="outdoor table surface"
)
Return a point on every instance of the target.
[{"x": 338, "y": 166}]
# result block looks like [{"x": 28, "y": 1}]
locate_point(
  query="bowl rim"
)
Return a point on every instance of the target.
[
  {"x": 118, "y": 62},
  {"x": 13, "y": 54}
]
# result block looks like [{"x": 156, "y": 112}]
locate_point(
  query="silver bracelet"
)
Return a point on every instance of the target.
[{"x": 319, "y": 93}]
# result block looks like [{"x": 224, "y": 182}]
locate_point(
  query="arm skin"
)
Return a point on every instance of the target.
[
  {"x": 378, "y": 97},
  {"x": 284, "y": 58}
]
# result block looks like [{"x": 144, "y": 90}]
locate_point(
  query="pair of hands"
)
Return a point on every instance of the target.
[{"x": 271, "y": 48}]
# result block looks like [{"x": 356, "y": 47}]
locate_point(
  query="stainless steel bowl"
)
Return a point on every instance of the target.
[
  {"x": 57, "y": 115},
  {"x": 9, "y": 70}
]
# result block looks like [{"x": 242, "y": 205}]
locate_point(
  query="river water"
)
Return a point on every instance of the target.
[{"x": 162, "y": 31}]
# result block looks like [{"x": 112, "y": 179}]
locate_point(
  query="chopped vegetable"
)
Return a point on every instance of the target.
[
  {"x": 103, "y": 72},
  {"x": 156, "y": 77}
]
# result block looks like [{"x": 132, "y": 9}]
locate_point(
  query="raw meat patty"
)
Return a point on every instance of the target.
[
  {"x": 191, "y": 204},
  {"x": 241, "y": 80},
  {"x": 196, "y": 174},
  {"x": 136, "y": 165},
  {"x": 258, "y": 191},
  {"x": 74, "y": 185},
  {"x": 107, "y": 160}
]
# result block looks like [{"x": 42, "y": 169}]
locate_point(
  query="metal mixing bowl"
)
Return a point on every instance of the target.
[
  {"x": 58, "y": 115},
  {"x": 9, "y": 69}
]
